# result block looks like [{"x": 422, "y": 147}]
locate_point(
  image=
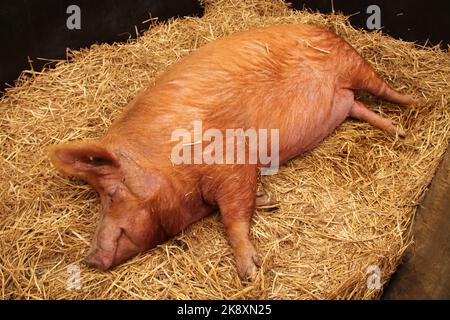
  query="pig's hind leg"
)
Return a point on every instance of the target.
[
  {"x": 236, "y": 200},
  {"x": 366, "y": 78},
  {"x": 361, "y": 112}
]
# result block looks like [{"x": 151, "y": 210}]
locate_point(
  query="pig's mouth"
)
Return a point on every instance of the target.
[{"x": 104, "y": 259}]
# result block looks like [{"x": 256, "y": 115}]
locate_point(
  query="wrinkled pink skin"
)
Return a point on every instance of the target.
[{"x": 295, "y": 78}]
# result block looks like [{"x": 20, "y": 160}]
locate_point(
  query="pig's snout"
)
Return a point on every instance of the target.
[
  {"x": 98, "y": 260},
  {"x": 107, "y": 254},
  {"x": 104, "y": 246}
]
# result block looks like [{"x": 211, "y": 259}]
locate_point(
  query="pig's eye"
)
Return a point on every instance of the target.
[{"x": 110, "y": 196}]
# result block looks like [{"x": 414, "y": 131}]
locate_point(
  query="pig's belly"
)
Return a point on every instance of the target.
[{"x": 302, "y": 133}]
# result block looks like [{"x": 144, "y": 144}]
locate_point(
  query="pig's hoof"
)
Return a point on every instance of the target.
[
  {"x": 401, "y": 133},
  {"x": 264, "y": 200},
  {"x": 398, "y": 130},
  {"x": 394, "y": 129},
  {"x": 248, "y": 266}
]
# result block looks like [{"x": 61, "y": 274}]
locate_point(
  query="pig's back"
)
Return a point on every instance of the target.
[{"x": 281, "y": 77}]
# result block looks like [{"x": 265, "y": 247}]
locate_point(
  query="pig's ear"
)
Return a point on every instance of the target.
[{"x": 83, "y": 159}]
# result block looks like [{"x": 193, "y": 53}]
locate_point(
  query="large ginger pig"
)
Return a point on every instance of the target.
[{"x": 295, "y": 82}]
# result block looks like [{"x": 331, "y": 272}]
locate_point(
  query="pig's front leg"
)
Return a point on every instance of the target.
[{"x": 236, "y": 201}]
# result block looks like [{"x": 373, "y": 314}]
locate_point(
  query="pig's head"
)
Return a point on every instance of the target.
[{"x": 129, "y": 222}]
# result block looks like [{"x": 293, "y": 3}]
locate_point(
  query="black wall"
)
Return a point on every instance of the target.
[
  {"x": 37, "y": 28},
  {"x": 410, "y": 20}
]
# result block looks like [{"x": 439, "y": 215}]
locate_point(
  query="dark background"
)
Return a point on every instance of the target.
[
  {"x": 37, "y": 28},
  {"x": 410, "y": 20}
]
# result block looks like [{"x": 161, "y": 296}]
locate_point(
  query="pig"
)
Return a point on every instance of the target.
[{"x": 298, "y": 79}]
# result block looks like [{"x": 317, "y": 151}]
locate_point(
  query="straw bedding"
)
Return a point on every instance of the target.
[{"x": 343, "y": 207}]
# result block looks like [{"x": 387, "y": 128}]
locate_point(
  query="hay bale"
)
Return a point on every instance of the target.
[{"x": 345, "y": 206}]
